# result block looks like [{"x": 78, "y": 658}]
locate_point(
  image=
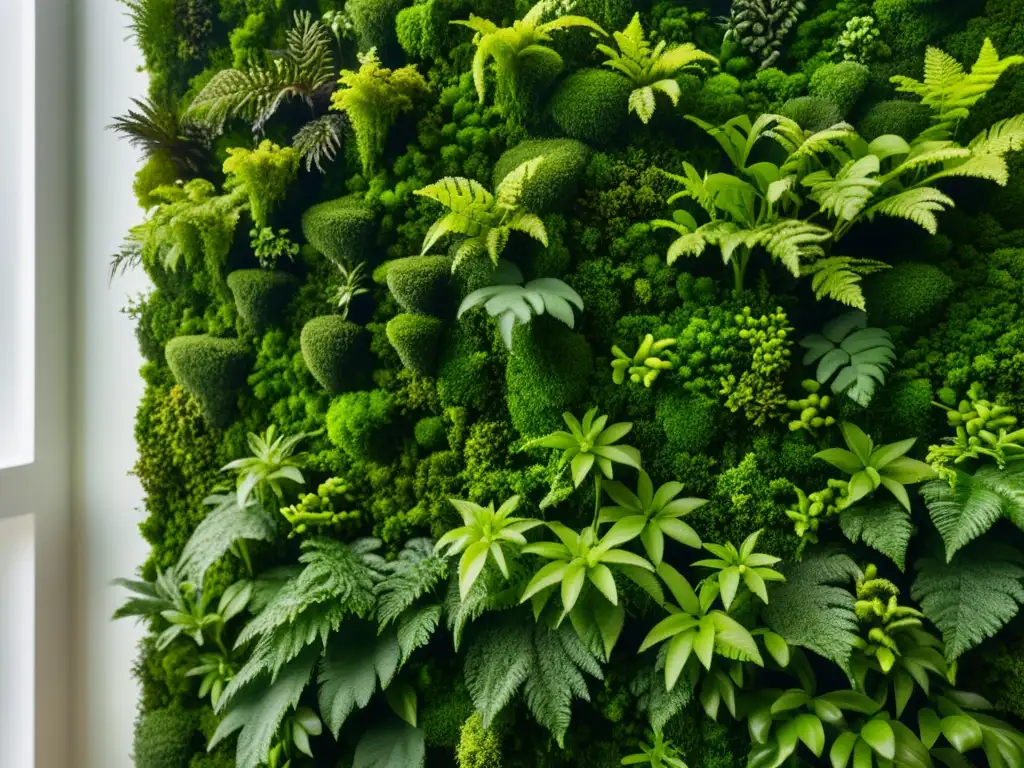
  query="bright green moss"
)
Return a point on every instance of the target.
[
  {"x": 591, "y": 105},
  {"x": 907, "y": 293},
  {"x": 842, "y": 84},
  {"x": 416, "y": 339},
  {"x": 430, "y": 433},
  {"x": 340, "y": 229},
  {"x": 212, "y": 371},
  {"x": 358, "y": 423},
  {"x": 554, "y": 182},
  {"x": 165, "y": 738},
  {"x": 547, "y": 374},
  {"x": 261, "y": 296},
  {"x": 335, "y": 351},
  {"x": 479, "y": 747},
  {"x": 443, "y": 717},
  {"x": 812, "y": 112},
  {"x": 421, "y": 284},
  {"x": 158, "y": 171},
  {"x": 901, "y": 118}
]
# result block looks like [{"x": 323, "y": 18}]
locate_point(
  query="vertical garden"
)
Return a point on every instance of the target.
[{"x": 594, "y": 383}]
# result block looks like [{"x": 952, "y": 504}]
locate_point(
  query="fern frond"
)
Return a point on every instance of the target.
[
  {"x": 319, "y": 141},
  {"x": 809, "y": 610},
  {"x": 991, "y": 167},
  {"x": 845, "y": 196},
  {"x": 225, "y": 524},
  {"x": 416, "y": 572},
  {"x": 415, "y": 629},
  {"x": 661, "y": 705},
  {"x": 352, "y": 665},
  {"x": 497, "y": 664},
  {"x": 963, "y": 513},
  {"x": 509, "y": 192},
  {"x": 972, "y": 597},
  {"x": 158, "y": 126},
  {"x": 838, "y": 277},
  {"x": 884, "y": 526},
  {"x": 789, "y": 241},
  {"x": 919, "y": 205}
]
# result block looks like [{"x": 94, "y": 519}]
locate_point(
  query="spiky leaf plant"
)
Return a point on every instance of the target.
[
  {"x": 373, "y": 97},
  {"x": 273, "y": 461},
  {"x": 515, "y": 304},
  {"x": 512, "y": 48},
  {"x": 651, "y": 69},
  {"x": 303, "y": 68},
  {"x": 857, "y": 356},
  {"x": 158, "y": 126},
  {"x": 485, "y": 220}
]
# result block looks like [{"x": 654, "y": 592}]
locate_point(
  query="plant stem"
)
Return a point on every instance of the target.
[
  {"x": 739, "y": 267},
  {"x": 597, "y": 501},
  {"x": 243, "y": 550}
]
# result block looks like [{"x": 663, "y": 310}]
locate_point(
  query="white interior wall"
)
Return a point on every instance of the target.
[{"x": 107, "y": 388}]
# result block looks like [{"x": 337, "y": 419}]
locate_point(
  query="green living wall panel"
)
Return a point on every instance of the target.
[{"x": 581, "y": 384}]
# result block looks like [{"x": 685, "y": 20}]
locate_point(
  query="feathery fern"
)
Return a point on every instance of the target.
[
  {"x": 811, "y": 611},
  {"x": 548, "y": 665},
  {"x": 416, "y": 627},
  {"x": 882, "y": 525},
  {"x": 485, "y": 220},
  {"x": 971, "y": 597},
  {"x": 353, "y": 662},
  {"x": 304, "y": 67},
  {"x": 513, "y": 47},
  {"x": 224, "y": 526},
  {"x": 319, "y": 141},
  {"x": 651, "y": 69},
  {"x": 838, "y": 277},
  {"x": 859, "y": 357},
  {"x": 159, "y": 126},
  {"x": 259, "y": 708},
  {"x": 373, "y": 97},
  {"x": 660, "y": 704},
  {"x": 514, "y": 304},
  {"x": 951, "y": 92},
  {"x": 416, "y": 571},
  {"x": 975, "y": 503}
]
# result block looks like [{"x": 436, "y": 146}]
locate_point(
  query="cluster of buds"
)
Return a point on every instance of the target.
[
  {"x": 768, "y": 337},
  {"x": 646, "y": 365},
  {"x": 982, "y": 429},
  {"x": 811, "y": 409},
  {"x": 811, "y": 508},
  {"x": 878, "y": 607},
  {"x": 317, "y": 510}
]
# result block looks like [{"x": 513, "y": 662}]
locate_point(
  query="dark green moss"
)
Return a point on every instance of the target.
[
  {"x": 416, "y": 339},
  {"x": 812, "y": 113},
  {"x": 421, "y": 284},
  {"x": 907, "y": 293},
  {"x": 261, "y": 296},
  {"x": 430, "y": 433},
  {"x": 336, "y": 351},
  {"x": 374, "y": 22},
  {"x": 165, "y": 738},
  {"x": 547, "y": 374},
  {"x": 212, "y": 370},
  {"x": 901, "y": 118},
  {"x": 591, "y": 105},
  {"x": 689, "y": 421},
  {"x": 340, "y": 229},
  {"x": 842, "y": 84}
]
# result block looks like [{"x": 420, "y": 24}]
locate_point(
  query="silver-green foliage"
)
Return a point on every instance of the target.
[
  {"x": 857, "y": 356},
  {"x": 225, "y": 528},
  {"x": 514, "y": 304}
]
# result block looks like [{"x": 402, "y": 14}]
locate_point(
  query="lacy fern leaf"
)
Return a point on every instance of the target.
[
  {"x": 352, "y": 664},
  {"x": 968, "y": 509},
  {"x": 884, "y": 526},
  {"x": 838, "y": 277},
  {"x": 414, "y": 573},
  {"x": 225, "y": 525},
  {"x": 255, "y": 93},
  {"x": 919, "y": 205},
  {"x": 319, "y": 141},
  {"x": 811, "y": 611},
  {"x": 972, "y": 597},
  {"x": 416, "y": 627},
  {"x": 497, "y": 664}
]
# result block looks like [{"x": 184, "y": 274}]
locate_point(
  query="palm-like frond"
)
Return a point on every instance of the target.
[
  {"x": 319, "y": 141},
  {"x": 156, "y": 126},
  {"x": 845, "y": 195},
  {"x": 256, "y": 92},
  {"x": 918, "y": 205}
]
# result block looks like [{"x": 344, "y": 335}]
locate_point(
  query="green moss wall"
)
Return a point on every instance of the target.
[{"x": 732, "y": 317}]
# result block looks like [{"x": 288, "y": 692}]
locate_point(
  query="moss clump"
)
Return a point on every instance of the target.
[
  {"x": 546, "y": 375},
  {"x": 557, "y": 175},
  {"x": 335, "y": 351},
  {"x": 688, "y": 421},
  {"x": 812, "y": 112},
  {"x": 358, "y": 423},
  {"x": 340, "y": 229},
  {"x": 907, "y": 293},
  {"x": 591, "y": 105},
  {"x": 443, "y": 717},
  {"x": 421, "y": 284},
  {"x": 212, "y": 370},
  {"x": 416, "y": 339},
  {"x": 374, "y": 23},
  {"x": 842, "y": 84},
  {"x": 902, "y": 118},
  {"x": 462, "y": 378},
  {"x": 479, "y": 747},
  {"x": 430, "y": 433},
  {"x": 261, "y": 296},
  {"x": 165, "y": 738}
]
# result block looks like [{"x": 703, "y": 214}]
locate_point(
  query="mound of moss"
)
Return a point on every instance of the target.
[
  {"x": 421, "y": 284},
  {"x": 841, "y": 83},
  {"x": 812, "y": 113},
  {"x": 556, "y": 177},
  {"x": 261, "y": 296},
  {"x": 336, "y": 351},
  {"x": 416, "y": 339},
  {"x": 591, "y": 105},
  {"x": 212, "y": 370},
  {"x": 340, "y": 229},
  {"x": 907, "y": 293},
  {"x": 360, "y": 424},
  {"x": 165, "y": 738},
  {"x": 901, "y": 118}
]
